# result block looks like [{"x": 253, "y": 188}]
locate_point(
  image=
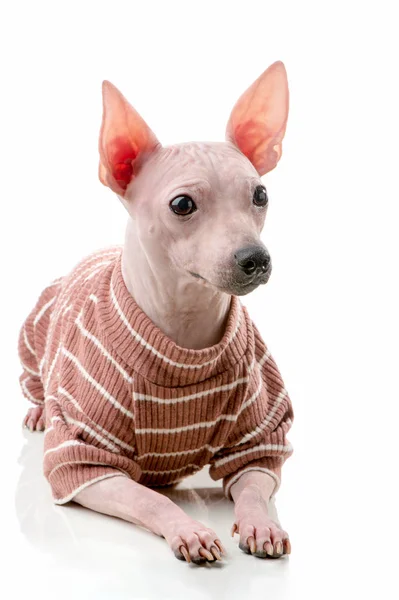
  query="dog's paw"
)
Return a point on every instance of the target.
[{"x": 35, "y": 420}]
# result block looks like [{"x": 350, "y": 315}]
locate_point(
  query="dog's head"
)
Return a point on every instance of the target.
[{"x": 199, "y": 207}]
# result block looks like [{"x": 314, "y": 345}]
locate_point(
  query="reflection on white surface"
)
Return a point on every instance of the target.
[{"x": 105, "y": 557}]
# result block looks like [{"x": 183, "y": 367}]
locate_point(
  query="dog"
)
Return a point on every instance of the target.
[{"x": 142, "y": 362}]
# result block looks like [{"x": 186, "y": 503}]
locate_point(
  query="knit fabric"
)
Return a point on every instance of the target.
[{"x": 121, "y": 398}]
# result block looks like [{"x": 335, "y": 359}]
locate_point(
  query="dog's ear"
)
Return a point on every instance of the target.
[
  {"x": 259, "y": 118},
  {"x": 125, "y": 139}
]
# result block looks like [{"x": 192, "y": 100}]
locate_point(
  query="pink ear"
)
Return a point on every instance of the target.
[
  {"x": 258, "y": 120},
  {"x": 124, "y": 136}
]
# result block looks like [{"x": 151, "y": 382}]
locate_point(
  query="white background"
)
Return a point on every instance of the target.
[{"x": 328, "y": 314}]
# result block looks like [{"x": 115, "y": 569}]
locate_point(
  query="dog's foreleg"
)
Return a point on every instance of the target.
[
  {"x": 259, "y": 533},
  {"x": 124, "y": 498}
]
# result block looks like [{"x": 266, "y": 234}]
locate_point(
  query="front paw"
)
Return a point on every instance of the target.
[
  {"x": 35, "y": 419},
  {"x": 259, "y": 534}
]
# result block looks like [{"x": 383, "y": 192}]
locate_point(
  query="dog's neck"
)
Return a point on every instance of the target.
[{"x": 190, "y": 314}]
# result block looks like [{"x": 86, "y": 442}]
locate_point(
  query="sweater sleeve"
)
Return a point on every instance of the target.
[
  {"x": 258, "y": 440},
  {"x": 75, "y": 456},
  {"x": 31, "y": 344},
  {"x": 89, "y": 415}
]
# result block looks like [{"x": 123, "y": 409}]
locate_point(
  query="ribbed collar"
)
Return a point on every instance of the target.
[{"x": 148, "y": 351}]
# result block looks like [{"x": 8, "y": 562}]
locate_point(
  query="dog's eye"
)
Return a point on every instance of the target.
[
  {"x": 183, "y": 205},
  {"x": 260, "y": 196}
]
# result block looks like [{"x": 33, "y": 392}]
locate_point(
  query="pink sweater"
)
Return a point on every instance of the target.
[{"x": 121, "y": 398}]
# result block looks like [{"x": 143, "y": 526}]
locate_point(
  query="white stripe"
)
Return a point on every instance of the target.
[
  {"x": 29, "y": 370},
  {"x": 27, "y": 392},
  {"x": 85, "y": 485},
  {"x": 55, "y": 282},
  {"x": 86, "y": 462},
  {"x": 47, "y": 398},
  {"x": 95, "y": 383},
  {"x": 220, "y": 388},
  {"x": 264, "y": 358},
  {"x": 43, "y": 310},
  {"x": 188, "y": 427},
  {"x": 96, "y": 269},
  {"x": 259, "y": 447},
  {"x": 64, "y": 392},
  {"x": 104, "y": 351},
  {"x": 182, "y": 452},
  {"x": 68, "y": 308},
  {"x": 50, "y": 371},
  {"x": 64, "y": 445},
  {"x": 266, "y": 420},
  {"x": 51, "y": 428},
  {"x": 277, "y": 403},
  {"x": 27, "y": 344},
  {"x": 263, "y": 469},
  {"x": 260, "y": 364},
  {"x": 93, "y": 433},
  {"x": 149, "y": 347},
  {"x": 93, "y": 298},
  {"x": 42, "y": 364},
  {"x": 254, "y": 396}
]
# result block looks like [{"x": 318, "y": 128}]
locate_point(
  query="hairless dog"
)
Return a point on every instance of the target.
[{"x": 143, "y": 364}]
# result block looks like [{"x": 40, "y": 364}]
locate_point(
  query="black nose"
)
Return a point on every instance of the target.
[{"x": 253, "y": 259}]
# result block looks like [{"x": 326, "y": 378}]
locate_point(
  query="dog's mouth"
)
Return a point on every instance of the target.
[
  {"x": 238, "y": 288},
  {"x": 197, "y": 275}
]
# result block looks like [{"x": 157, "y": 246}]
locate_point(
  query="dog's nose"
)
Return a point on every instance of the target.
[{"x": 253, "y": 259}]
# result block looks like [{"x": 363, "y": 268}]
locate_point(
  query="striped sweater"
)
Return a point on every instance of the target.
[{"x": 121, "y": 398}]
